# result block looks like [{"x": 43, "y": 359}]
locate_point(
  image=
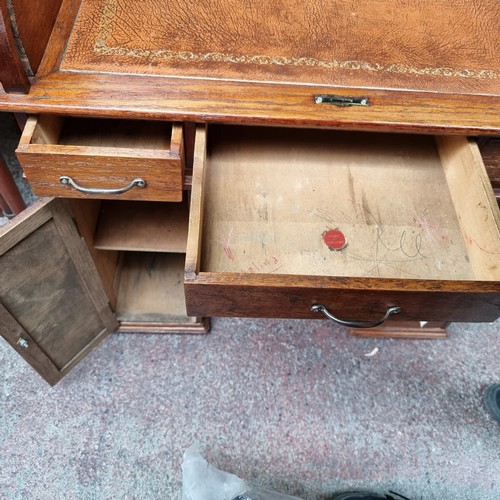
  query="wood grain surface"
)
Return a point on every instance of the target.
[
  {"x": 366, "y": 299},
  {"x": 421, "y": 330},
  {"x": 103, "y": 154},
  {"x": 35, "y": 26},
  {"x": 490, "y": 151},
  {"x": 387, "y": 196},
  {"x": 50, "y": 286},
  {"x": 140, "y": 226},
  {"x": 151, "y": 289},
  {"x": 16, "y": 335},
  {"x": 187, "y": 99},
  {"x": 13, "y": 76},
  {"x": 424, "y": 67},
  {"x": 250, "y": 274}
]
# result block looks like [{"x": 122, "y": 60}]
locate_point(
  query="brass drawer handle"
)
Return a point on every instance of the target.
[
  {"x": 65, "y": 180},
  {"x": 355, "y": 324}
]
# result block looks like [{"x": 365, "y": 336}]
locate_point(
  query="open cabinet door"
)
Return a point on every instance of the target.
[{"x": 53, "y": 308}]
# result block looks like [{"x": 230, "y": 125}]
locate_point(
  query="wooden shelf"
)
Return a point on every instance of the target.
[
  {"x": 143, "y": 226},
  {"x": 151, "y": 294}
]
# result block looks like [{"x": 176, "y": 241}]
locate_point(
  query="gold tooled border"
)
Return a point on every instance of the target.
[{"x": 101, "y": 47}]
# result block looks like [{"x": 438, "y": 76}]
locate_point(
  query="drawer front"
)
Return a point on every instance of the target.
[
  {"x": 87, "y": 158},
  {"x": 400, "y": 223},
  {"x": 278, "y": 297}
]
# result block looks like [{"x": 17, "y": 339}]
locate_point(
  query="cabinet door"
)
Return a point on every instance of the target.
[{"x": 53, "y": 308}]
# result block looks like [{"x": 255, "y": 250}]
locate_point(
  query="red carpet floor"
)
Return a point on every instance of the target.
[{"x": 294, "y": 406}]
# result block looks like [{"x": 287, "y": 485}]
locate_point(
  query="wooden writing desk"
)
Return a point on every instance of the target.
[{"x": 240, "y": 160}]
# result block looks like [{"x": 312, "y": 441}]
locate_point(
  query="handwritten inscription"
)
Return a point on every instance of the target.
[
  {"x": 227, "y": 245},
  {"x": 386, "y": 247},
  {"x": 266, "y": 266}
]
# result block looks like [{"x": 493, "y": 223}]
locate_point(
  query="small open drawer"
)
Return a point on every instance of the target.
[
  {"x": 283, "y": 220},
  {"x": 103, "y": 158}
]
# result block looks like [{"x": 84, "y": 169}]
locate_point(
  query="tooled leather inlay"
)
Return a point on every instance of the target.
[{"x": 290, "y": 41}]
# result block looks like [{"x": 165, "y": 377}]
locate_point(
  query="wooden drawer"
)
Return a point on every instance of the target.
[
  {"x": 101, "y": 158},
  {"x": 282, "y": 220}
]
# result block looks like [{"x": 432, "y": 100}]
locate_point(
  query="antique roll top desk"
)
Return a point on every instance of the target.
[{"x": 237, "y": 158}]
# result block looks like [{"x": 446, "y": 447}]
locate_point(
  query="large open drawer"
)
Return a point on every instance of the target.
[{"x": 285, "y": 219}]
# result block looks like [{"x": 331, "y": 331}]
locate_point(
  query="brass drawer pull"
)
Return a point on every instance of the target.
[
  {"x": 65, "y": 180},
  {"x": 355, "y": 324}
]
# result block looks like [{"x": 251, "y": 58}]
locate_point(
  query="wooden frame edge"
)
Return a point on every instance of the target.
[{"x": 193, "y": 248}]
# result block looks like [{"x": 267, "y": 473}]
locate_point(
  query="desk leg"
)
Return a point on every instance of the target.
[{"x": 11, "y": 200}]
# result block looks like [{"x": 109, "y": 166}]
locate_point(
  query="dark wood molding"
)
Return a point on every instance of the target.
[
  {"x": 34, "y": 26},
  {"x": 12, "y": 72},
  {"x": 9, "y": 191}
]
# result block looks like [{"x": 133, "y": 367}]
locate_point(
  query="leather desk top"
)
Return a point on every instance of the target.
[{"x": 426, "y": 45}]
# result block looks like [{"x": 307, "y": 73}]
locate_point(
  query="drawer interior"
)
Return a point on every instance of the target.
[
  {"x": 333, "y": 203},
  {"x": 105, "y": 133},
  {"x": 139, "y": 250}
]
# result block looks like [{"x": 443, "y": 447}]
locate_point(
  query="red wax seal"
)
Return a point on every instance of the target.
[{"x": 334, "y": 239}]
